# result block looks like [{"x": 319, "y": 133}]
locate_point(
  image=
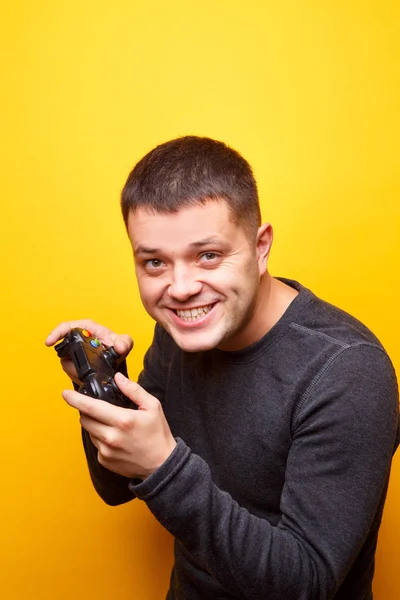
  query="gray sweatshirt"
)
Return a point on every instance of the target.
[{"x": 276, "y": 487}]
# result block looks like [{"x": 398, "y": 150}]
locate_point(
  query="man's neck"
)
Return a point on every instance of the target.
[{"x": 273, "y": 299}]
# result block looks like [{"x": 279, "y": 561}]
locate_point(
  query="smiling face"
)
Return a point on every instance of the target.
[{"x": 199, "y": 275}]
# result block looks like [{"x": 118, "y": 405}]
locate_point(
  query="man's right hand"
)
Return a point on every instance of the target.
[{"x": 122, "y": 343}]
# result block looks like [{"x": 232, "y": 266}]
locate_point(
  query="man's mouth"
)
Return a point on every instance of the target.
[{"x": 190, "y": 315}]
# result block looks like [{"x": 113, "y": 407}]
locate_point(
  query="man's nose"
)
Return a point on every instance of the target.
[{"x": 183, "y": 285}]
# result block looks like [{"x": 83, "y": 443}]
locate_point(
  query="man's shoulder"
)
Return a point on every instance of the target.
[
  {"x": 318, "y": 334},
  {"x": 321, "y": 320}
]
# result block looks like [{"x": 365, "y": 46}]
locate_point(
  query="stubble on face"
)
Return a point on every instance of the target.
[{"x": 179, "y": 276}]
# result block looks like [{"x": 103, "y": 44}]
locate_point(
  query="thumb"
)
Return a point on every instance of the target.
[{"x": 134, "y": 392}]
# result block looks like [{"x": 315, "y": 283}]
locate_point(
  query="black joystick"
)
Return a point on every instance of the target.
[{"x": 95, "y": 365}]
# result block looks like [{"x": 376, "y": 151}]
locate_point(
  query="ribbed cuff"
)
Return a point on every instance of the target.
[{"x": 162, "y": 476}]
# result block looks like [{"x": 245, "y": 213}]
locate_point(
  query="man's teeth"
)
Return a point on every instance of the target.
[{"x": 194, "y": 313}]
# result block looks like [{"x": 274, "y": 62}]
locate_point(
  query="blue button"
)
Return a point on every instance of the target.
[{"x": 95, "y": 343}]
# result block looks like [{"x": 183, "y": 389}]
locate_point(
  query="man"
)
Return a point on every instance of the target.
[{"x": 267, "y": 418}]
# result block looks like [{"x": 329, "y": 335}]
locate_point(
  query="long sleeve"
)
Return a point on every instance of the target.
[
  {"x": 344, "y": 433},
  {"x": 111, "y": 487}
]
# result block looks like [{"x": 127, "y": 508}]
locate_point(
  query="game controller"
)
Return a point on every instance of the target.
[{"x": 95, "y": 365}]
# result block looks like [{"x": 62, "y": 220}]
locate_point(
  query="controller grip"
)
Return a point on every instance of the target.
[{"x": 106, "y": 390}]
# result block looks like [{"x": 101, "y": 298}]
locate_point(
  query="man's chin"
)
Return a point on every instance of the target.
[
  {"x": 194, "y": 347},
  {"x": 193, "y": 342}
]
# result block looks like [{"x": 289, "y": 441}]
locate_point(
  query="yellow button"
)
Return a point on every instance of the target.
[{"x": 86, "y": 333}]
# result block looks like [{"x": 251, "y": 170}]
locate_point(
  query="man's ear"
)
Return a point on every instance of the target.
[{"x": 264, "y": 240}]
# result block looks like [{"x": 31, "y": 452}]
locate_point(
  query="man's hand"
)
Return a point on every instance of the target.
[
  {"x": 122, "y": 343},
  {"x": 133, "y": 443}
]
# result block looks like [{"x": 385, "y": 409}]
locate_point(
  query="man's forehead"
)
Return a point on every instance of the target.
[
  {"x": 212, "y": 214},
  {"x": 211, "y": 205},
  {"x": 194, "y": 227}
]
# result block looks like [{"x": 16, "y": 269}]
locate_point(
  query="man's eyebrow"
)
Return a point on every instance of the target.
[
  {"x": 146, "y": 250},
  {"x": 210, "y": 241}
]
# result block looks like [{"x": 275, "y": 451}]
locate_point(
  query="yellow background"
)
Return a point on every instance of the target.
[{"x": 307, "y": 91}]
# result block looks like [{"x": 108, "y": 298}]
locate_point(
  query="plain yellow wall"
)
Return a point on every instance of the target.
[{"x": 307, "y": 91}]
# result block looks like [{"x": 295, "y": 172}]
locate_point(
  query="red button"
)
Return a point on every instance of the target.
[{"x": 86, "y": 333}]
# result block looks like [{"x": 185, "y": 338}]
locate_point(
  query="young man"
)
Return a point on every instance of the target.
[{"x": 267, "y": 418}]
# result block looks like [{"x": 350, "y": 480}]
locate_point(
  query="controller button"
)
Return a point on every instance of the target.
[
  {"x": 95, "y": 343},
  {"x": 86, "y": 333}
]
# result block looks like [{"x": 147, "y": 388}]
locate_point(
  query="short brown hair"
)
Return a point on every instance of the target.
[{"x": 189, "y": 171}]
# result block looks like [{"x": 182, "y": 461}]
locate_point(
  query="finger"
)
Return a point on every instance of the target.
[
  {"x": 63, "y": 328},
  {"x": 97, "y": 431},
  {"x": 135, "y": 392},
  {"x": 123, "y": 344},
  {"x": 100, "y": 410},
  {"x": 95, "y": 441}
]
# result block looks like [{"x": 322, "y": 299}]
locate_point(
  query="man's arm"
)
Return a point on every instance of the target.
[
  {"x": 344, "y": 435},
  {"x": 113, "y": 488}
]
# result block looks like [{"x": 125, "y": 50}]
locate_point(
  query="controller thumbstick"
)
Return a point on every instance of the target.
[{"x": 113, "y": 353}]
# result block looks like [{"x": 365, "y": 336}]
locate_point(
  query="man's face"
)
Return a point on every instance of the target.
[{"x": 198, "y": 275}]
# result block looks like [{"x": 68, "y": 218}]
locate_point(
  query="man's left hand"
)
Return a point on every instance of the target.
[{"x": 133, "y": 443}]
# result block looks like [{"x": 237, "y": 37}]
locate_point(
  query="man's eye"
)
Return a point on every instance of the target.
[
  {"x": 153, "y": 263},
  {"x": 208, "y": 256}
]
